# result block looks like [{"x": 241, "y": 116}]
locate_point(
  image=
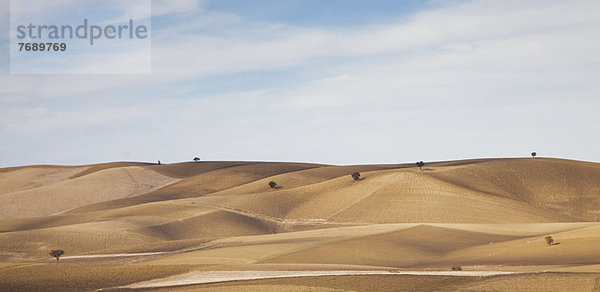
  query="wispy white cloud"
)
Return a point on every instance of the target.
[
  {"x": 41, "y": 120},
  {"x": 162, "y": 7},
  {"x": 453, "y": 34},
  {"x": 264, "y": 46},
  {"x": 460, "y": 79}
]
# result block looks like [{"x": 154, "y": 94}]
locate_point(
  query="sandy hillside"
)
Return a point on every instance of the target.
[
  {"x": 51, "y": 197},
  {"x": 486, "y": 214}
]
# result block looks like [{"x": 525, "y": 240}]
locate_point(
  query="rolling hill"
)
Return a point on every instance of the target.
[{"x": 476, "y": 213}]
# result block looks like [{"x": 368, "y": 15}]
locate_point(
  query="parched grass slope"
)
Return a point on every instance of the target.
[{"x": 479, "y": 214}]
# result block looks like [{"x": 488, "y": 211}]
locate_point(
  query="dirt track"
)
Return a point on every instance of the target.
[{"x": 226, "y": 276}]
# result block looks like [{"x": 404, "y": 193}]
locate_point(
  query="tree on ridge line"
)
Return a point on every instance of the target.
[
  {"x": 549, "y": 240},
  {"x": 57, "y": 253},
  {"x": 272, "y": 184}
]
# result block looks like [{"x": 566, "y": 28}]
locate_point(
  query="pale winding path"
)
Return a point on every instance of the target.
[{"x": 227, "y": 276}]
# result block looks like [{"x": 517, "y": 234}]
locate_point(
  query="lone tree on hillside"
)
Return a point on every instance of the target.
[
  {"x": 533, "y": 154},
  {"x": 456, "y": 268},
  {"x": 196, "y": 159},
  {"x": 356, "y": 175},
  {"x": 272, "y": 184},
  {"x": 57, "y": 253},
  {"x": 420, "y": 164},
  {"x": 549, "y": 240}
]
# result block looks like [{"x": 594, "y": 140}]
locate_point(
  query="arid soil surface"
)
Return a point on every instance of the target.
[{"x": 219, "y": 226}]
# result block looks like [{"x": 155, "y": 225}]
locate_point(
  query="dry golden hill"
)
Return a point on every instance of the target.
[
  {"x": 64, "y": 194},
  {"x": 224, "y": 216}
]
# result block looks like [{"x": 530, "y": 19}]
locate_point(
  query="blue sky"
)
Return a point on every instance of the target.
[
  {"x": 315, "y": 13},
  {"x": 340, "y": 82}
]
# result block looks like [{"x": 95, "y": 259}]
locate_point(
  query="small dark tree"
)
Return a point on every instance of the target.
[
  {"x": 196, "y": 159},
  {"x": 57, "y": 253},
  {"x": 356, "y": 176},
  {"x": 533, "y": 154},
  {"x": 420, "y": 164},
  {"x": 272, "y": 184},
  {"x": 549, "y": 240},
  {"x": 456, "y": 268}
]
